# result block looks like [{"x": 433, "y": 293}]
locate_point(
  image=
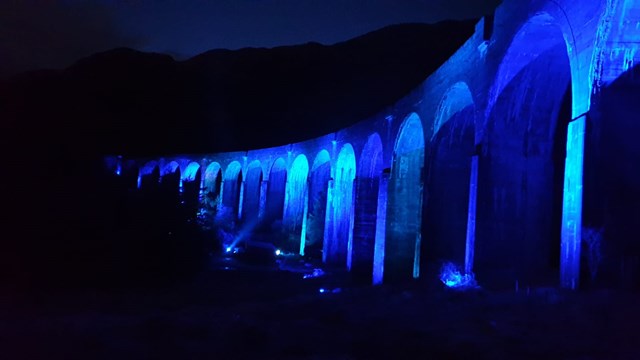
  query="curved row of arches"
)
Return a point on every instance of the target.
[
  {"x": 324, "y": 210},
  {"x": 490, "y": 178}
]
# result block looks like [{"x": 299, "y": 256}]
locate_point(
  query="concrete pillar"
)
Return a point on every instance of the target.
[
  {"x": 263, "y": 198},
  {"x": 471, "y": 218},
  {"x": 241, "y": 199},
  {"x": 221, "y": 202},
  {"x": 572, "y": 206},
  {"x": 381, "y": 222},
  {"x": 327, "y": 245},
  {"x": 351, "y": 223}
]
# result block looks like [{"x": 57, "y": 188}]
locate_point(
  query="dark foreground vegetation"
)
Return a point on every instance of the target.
[
  {"x": 98, "y": 270},
  {"x": 74, "y": 226},
  {"x": 241, "y": 313}
]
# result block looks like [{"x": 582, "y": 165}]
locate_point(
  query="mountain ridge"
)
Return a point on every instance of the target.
[{"x": 136, "y": 103}]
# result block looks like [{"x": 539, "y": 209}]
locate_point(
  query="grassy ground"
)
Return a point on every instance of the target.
[{"x": 269, "y": 313}]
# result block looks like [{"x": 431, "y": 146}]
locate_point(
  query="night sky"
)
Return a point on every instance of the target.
[{"x": 54, "y": 33}]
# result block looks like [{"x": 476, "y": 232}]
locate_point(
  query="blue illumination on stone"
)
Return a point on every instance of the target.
[
  {"x": 374, "y": 217},
  {"x": 316, "y": 225},
  {"x": 327, "y": 244},
  {"x": 366, "y": 194},
  {"x": 457, "y": 98},
  {"x": 545, "y": 38},
  {"x": 170, "y": 168},
  {"x": 572, "y": 206},
  {"x": 252, "y": 192},
  {"x": 232, "y": 188},
  {"x": 296, "y": 202},
  {"x": 404, "y": 212},
  {"x": 471, "y": 217},
  {"x": 211, "y": 175},
  {"x": 305, "y": 217},
  {"x": 381, "y": 228},
  {"x": 276, "y": 190},
  {"x": 147, "y": 170},
  {"x": 342, "y": 202},
  {"x": 191, "y": 172},
  {"x": 534, "y": 38},
  {"x": 240, "y": 199}
]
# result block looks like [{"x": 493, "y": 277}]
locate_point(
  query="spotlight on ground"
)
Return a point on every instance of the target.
[{"x": 453, "y": 278}]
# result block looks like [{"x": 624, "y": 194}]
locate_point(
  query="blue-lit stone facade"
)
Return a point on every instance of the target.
[{"x": 496, "y": 163}]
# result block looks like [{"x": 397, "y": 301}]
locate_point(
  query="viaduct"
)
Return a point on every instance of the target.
[{"x": 502, "y": 161}]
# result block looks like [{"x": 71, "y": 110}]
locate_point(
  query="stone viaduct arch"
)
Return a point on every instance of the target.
[
  {"x": 297, "y": 204},
  {"x": 191, "y": 188},
  {"x": 367, "y": 231},
  {"x": 450, "y": 215},
  {"x": 319, "y": 179},
  {"x": 252, "y": 191},
  {"x": 522, "y": 165},
  {"x": 232, "y": 190},
  {"x": 482, "y": 165}
]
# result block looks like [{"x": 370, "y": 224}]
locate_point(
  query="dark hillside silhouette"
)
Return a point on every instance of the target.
[
  {"x": 127, "y": 102},
  {"x": 71, "y": 223}
]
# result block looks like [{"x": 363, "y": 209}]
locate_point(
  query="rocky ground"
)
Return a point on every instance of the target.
[{"x": 235, "y": 311}]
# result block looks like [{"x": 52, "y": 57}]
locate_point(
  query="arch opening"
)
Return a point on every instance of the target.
[
  {"x": 231, "y": 193},
  {"x": 318, "y": 192},
  {"x": 170, "y": 184},
  {"x": 523, "y": 164},
  {"x": 212, "y": 185},
  {"x": 191, "y": 186},
  {"x": 342, "y": 201},
  {"x": 149, "y": 176},
  {"x": 611, "y": 175},
  {"x": 171, "y": 176},
  {"x": 253, "y": 182},
  {"x": 296, "y": 204},
  {"x": 449, "y": 231},
  {"x": 274, "y": 209},
  {"x": 129, "y": 173},
  {"x": 365, "y": 234},
  {"x": 405, "y": 198}
]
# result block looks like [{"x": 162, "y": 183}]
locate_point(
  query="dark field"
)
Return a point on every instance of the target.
[{"x": 270, "y": 312}]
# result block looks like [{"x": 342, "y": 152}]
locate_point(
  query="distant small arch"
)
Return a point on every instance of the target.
[
  {"x": 251, "y": 198},
  {"x": 370, "y": 164},
  {"x": 231, "y": 194},
  {"x": 171, "y": 182},
  {"x": 149, "y": 175},
  {"x": 321, "y": 158},
  {"x": 191, "y": 188},
  {"x": 212, "y": 182},
  {"x": 411, "y": 135},
  {"x": 276, "y": 191},
  {"x": 191, "y": 172},
  {"x": 170, "y": 168}
]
